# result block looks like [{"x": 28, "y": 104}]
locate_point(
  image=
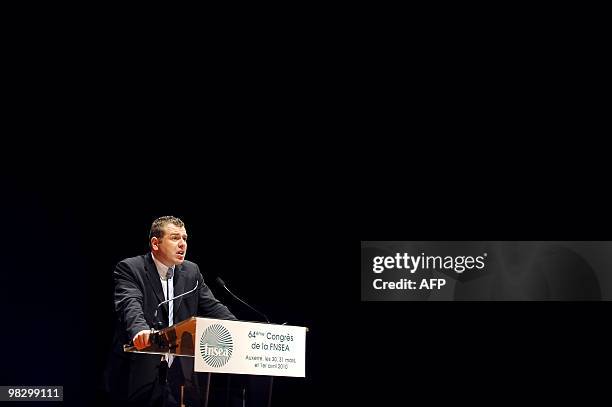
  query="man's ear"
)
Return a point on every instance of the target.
[{"x": 154, "y": 243}]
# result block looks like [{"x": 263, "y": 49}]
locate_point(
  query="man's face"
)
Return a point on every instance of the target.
[{"x": 172, "y": 247}]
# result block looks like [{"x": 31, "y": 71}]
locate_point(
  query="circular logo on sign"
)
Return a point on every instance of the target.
[{"x": 216, "y": 345}]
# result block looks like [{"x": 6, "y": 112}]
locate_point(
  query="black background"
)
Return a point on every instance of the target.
[
  {"x": 294, "y": 255},
  {"x": 279, "y": 171},
  {"x": 65, "y": 238}
]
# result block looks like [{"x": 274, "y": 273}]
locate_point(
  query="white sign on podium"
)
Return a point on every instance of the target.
[{"x": 249, "y": 348}]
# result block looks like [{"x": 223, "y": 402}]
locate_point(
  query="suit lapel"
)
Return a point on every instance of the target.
[
  {"x": 153, "y": 277},
  {"x": 179, "y": 288}
]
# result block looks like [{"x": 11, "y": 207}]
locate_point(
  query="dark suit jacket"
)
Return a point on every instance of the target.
[{"x": 137, "y": 293}]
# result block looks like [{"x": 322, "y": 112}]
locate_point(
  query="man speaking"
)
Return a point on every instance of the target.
[{"x": 140, "y": 284}]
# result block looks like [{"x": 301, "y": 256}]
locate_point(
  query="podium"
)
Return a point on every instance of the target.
[{"x": 233, "y": 347}]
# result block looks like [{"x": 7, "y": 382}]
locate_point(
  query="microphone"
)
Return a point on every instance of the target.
[
  {"x": 157, "y": 322},
  {"x": 222, "y": 284}
]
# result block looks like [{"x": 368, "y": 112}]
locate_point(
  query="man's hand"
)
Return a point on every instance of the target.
[{"x": 141, "y": 340}]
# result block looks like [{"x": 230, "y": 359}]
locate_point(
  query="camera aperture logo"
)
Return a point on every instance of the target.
[
  {"x": 412, "y": 264},
  {"x": 216, "y": 345}
]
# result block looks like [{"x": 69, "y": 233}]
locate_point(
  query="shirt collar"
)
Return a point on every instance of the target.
[{"x": 162, "y": 269}]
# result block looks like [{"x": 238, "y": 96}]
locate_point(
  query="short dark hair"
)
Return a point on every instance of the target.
[{"x": 157, "y": 228}]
